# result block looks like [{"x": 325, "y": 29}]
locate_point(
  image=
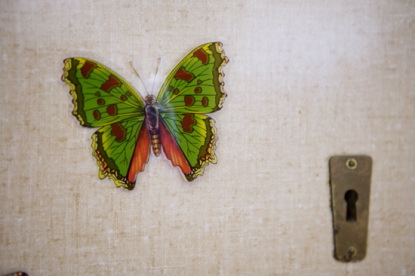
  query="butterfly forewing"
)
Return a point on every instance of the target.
[
  {"x": 100, "y": 96},
  {"x": 195, "y": 84}
]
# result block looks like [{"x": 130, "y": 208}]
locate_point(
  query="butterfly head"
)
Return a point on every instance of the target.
[{"x": 150, "y": 100}]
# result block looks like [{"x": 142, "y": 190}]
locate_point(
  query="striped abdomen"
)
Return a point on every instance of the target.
[{"x": 155, "y": 143}]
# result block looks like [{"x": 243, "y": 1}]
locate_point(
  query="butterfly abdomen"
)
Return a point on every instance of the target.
[
  {"x": 155, "y": 143},
  {"x": 152, "y": 120}
]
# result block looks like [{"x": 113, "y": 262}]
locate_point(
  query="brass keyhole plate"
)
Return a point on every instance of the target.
[{"x": 350, "y": 223}]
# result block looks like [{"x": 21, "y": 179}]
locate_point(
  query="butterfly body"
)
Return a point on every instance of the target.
[
  {"x": 152, "y": 115},
  {"x": 173, "y": 122}
]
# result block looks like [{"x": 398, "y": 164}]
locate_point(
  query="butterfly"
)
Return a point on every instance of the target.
[{"x": 173, "y": 122}]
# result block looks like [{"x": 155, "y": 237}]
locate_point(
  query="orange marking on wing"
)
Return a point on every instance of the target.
[
  {"x": 189, "y": 100},
  {"x": 110, "y": 83},
  {"x": 118, "y": 131},
  {"x": 87, "y": 68},
  {"x": 96, "y": 114},
  {"x": 140, "y": 156},
  {"x": 202, "y": 55},
  {"x": 172, "y": 150},
  {"x": 112, "y": 110},
  {"x": 183, "y": 74},
  {"x": 205, "y": 101},
  {"x": 188, "y": 122}
]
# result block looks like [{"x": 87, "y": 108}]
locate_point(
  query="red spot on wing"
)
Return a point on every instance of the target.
[
  {"x": 188, "y": 122},
  {"x": 112, "y": 110},
  {"x": 205, "y": 101},
  {"x": 198, "y": 90},
  {"x": 118, "y": 131},
  {"x": 96, "y": 114},
  {"x": 172, "y": 150},
  {"x": 140, "y": 156},
  {"x": 101, "y": 101},
  {"x": 110, "y": 83},
  {"x": 189, "y": 100},
  {"x": 202, "y": 55},
  {"x": 183, "y": 75},
  {"x": 87, "y": 68}
]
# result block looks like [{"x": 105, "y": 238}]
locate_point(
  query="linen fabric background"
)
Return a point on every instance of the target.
[{"x": 306, "y": 80}]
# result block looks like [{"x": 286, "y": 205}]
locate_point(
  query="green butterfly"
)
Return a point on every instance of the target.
[{"x": 173, "y": 122}]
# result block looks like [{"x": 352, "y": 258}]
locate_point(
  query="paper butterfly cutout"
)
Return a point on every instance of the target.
[{"x": 173, "y": 121}]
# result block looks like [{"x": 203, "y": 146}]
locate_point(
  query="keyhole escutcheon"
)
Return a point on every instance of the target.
[{"x": 351, "y": 197}]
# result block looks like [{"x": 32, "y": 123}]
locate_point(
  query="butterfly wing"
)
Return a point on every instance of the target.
[
  {"x": 100, "y": 96},
  {"x": 103, "y": 99},
  {"x": 195, "y": 137},
  {"x": 121, "y": 150},
  {"x": 195, "y": 84},
  {"x": 193, "y": 88}
]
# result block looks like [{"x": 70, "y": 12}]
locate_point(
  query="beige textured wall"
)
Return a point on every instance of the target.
[{"x": 306, "y": 80}]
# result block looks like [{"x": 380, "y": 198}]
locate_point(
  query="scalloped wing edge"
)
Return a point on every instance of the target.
[
  {"x": 68, "y": 66},
  {"x": 225, "y": 60},
  {"x": 105, "y": 171},
  {"x": 210, "y": 157}
]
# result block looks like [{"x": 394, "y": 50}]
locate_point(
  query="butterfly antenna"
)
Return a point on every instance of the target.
[
  {"x": 155, "y": 75},
  {"x": 136, "y": 73}
]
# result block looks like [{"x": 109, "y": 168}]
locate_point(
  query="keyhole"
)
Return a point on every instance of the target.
[{"x": 351, "y": 197}]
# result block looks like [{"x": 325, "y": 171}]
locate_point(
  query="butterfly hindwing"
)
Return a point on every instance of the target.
[
  {"x": 114, "y": 147},
  {"x": 196, "y": 138},
  {"x": 100, "y": 96},
  {"x": 193, "y": 88}
]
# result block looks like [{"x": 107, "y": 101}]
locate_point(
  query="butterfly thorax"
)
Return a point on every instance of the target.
[{"x": 152, "y": 121}]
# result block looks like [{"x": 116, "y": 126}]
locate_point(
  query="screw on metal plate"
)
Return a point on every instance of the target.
[{"x": 350, "y": 192}]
